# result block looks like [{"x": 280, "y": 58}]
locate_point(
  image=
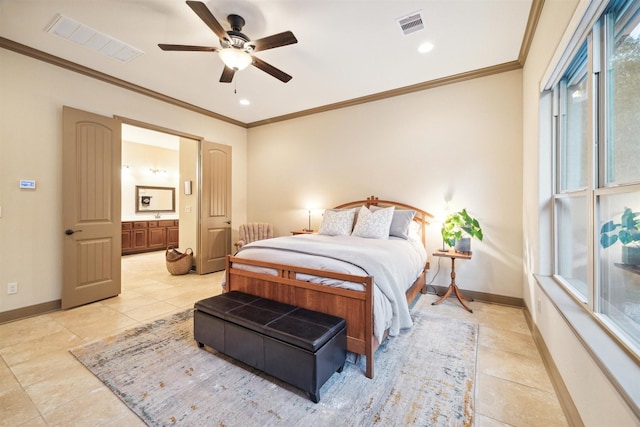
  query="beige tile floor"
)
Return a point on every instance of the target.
[{"x": 42, "y": 384}]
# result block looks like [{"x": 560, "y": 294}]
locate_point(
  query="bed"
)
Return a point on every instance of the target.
[{"x": 366, "y": 278}]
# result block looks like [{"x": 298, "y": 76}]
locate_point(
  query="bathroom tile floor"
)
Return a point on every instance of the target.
[{"x": 42, "y": 384}]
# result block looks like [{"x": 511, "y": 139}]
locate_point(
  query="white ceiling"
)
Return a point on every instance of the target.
[{"x": 346, "y": 49}]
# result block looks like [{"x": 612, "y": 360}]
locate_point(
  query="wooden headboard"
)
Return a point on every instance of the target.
[{"x": 422, "y": 217}]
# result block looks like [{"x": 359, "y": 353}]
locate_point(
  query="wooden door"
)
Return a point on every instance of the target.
[
  {"x": 91, "y": 207},
  {"x": 214, "y": 240}
]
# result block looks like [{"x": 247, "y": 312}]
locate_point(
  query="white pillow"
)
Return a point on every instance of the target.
[
  {"x": 414, "y": 232},
  {"x": 337, "y": 222},
  {"x": 373, "y": 225},
  {"x": 402, "y": 219}
]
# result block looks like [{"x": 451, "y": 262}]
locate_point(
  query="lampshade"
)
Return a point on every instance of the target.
[{"x": 234, "y": 58}]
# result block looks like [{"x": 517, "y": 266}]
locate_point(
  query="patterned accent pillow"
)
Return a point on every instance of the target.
[
  {"x": 373, "y": 225},
  {"x": 402, "y": 219},
  {"x": 337, "y": 222}
]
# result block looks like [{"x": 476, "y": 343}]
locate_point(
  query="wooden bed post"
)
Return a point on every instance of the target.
[
  {"x": 227, "y": 274},
  {"x": 369, "y": 344}
]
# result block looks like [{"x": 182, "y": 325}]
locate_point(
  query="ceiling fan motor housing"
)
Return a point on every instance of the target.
[
  {"x": 236, "y": 22},
  {"x": 237, "y": 39}
]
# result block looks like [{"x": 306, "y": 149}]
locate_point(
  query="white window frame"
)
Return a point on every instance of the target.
[{"x": 594, "y": 35}]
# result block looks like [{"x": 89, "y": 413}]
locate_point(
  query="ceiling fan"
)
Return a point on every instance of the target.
[{"x": 236, "y": 49}]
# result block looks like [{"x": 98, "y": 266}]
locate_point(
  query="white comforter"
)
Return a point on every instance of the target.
[{"x": 395, "y": 264}]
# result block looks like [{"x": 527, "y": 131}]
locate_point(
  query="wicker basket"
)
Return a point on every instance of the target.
[{"x": 177, "y": 262}]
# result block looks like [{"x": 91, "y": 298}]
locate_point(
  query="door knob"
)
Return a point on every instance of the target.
[
  {"x": 69, "y": 231},
  {"x": 228, "y": 222}
]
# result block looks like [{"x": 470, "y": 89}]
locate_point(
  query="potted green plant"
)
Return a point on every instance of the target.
[
  {"x": 458, "y": 228},
  {"x": 627, "y": 231}
]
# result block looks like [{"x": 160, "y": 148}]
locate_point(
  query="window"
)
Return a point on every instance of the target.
[
  {"x": 573, "y": 174},
  {"x": 623, "y": 99},
  {"x": 572, "y": 243},
  {"x": 574, "y": 125},
  {"x": 597, "y": 172},
  {"x": 618, "y": 299}
]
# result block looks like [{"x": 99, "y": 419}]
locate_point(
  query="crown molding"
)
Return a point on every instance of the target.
[
  {"x": 89, "y": 72},
  {"x": 529, "y": 32},
  {"x": 532, "y": 23},
  {"x": 456, "y": 78}
]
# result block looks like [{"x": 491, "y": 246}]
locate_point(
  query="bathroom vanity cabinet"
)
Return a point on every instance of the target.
[{"x": 147, "y": 236}]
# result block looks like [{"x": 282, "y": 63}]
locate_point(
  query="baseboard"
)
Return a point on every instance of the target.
[
  {"x": 566, "y": 402},
  {"x": 32, "y": 310},
  {"x": 484, "y": 297}
]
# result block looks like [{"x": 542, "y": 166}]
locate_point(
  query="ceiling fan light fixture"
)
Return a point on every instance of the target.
[{"x": 234, "y": 58}]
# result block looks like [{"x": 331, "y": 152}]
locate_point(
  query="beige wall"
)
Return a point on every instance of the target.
[
  {"x": 595, "y": 397},
  {"x": 137, "y": 159},
  {"x": 189, "y": 203},
  {"x": 32, "y": 94},
  {"x": 461, "y": 143}
]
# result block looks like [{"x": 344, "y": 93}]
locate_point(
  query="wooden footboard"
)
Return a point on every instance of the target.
[{"x": 356, "y": 307}]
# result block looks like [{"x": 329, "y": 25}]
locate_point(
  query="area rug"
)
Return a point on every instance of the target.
[{"x": 425, "y": 376}]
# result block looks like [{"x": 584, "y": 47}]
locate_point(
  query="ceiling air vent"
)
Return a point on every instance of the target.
[
  {"x": 411, "y": 23},
  {"x": 83, "y": 35}
]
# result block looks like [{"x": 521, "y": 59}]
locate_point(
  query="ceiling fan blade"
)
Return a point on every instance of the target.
[
  {"x": 183, "y": 47},
  {"x": 276, "y": 40},
  {"x": 205, "y": 14},
  {"x": 270, "y": 69},
  {"x": 227, "y": 75}
]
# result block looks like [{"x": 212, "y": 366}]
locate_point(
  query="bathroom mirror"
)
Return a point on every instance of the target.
[{"x": 155, "y": 199}]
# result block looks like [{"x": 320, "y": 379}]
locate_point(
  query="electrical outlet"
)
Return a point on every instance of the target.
[
  {"x": 12, "y": 288},
  {"x": 539, "y": 306}
]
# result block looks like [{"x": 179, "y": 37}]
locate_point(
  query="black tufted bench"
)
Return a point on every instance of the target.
[{"x": 301, "y": 347}]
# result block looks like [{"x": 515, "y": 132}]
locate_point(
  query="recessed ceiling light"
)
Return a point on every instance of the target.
[
  {"x": 244, "y": 102},
  {"x": 425, "y": 47}
]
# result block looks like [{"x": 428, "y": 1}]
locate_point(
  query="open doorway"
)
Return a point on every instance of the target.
[
  {"x": 202, "y": 189},
  {"x": 92, "y": 171},
  {"x": 159, "y": 190}
]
